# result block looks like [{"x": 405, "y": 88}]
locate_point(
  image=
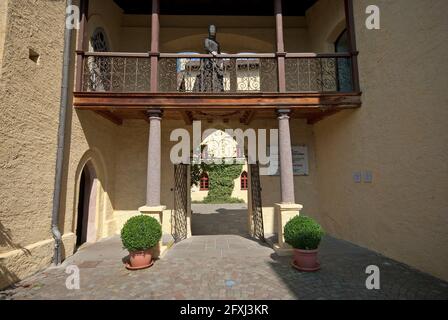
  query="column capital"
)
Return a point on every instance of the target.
[
  {"x": 155, "y": 114},
  {"x": 283, "y": 114}
]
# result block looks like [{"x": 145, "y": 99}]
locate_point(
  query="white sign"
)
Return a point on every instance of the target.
[{"x": 299, "y": 162}]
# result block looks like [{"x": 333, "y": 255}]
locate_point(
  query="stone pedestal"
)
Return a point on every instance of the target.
[
  {"x": 283, "y": 213},
  {"x": 155, "y": 212}
]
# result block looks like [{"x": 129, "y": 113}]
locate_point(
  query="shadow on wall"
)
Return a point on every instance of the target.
[
  {"x": 6, "y": 276},
  {"x": 6, "y": 240}
]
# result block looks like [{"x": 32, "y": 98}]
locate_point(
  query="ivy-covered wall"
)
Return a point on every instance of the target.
[{"x": 221, "y": 181}]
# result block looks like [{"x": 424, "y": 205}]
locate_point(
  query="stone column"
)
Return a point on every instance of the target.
[
  {"x": 285, "y": 154},
  {"x": 153, "y": 206},
  {"x": 154, "y": 159},
  {"x": 287, "y": 209}
]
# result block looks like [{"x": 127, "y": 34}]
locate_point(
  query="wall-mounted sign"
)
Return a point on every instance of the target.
[{"x": 299, "y": 162}]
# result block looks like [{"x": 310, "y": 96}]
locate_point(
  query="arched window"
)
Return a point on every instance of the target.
[
  {"x": 243, "y": 181},
  {"x": 344, "y": 76},
  {"x": 203, "y": 182},
  {"x": 99, "y": 41}
]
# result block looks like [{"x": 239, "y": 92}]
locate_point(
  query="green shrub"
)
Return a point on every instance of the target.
[
  {"x": 218, "y": 200},
  {"x": 303, "y": 233},
  {"x": 141, "y": 233}
]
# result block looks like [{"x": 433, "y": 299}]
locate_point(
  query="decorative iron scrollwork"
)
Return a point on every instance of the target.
[
  {"x": 318, "y": 74},
  {"x": 181, "y": 191},
  {"x": 116, "y": 74},
  {"x": 216, "y": 75}
]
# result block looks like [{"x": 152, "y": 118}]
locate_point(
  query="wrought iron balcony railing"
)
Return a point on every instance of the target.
[
  {"x": 236, "y": 73},
  {"x": 114, "y": 72},
  {"x": 224, "y": 73}
]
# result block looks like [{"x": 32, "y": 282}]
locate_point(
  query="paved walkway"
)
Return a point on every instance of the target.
[
  {"x": 216, "y": 219},
  {"x": 228, "y": 267}
]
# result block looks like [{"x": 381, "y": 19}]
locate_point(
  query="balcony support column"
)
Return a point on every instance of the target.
[
  {"x": 287, "y": 209},
  {"x": 280, "y": 45},
  {"x": 81, "y": 43},
  {"x": 155, "y": 34},
  {"x": 285, "y": 153},
  {"x": 350, "y": 25},
  {"x": 153, "y": 206}
]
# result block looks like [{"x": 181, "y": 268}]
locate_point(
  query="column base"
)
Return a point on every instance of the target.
[
  {"x": 283, "y": 251},
  {"x": 284, "y": 212},
  {"x": 155, "y": 212}
]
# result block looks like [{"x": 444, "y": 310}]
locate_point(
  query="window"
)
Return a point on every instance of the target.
[
  {"x": 203, "y": 182},
  {"x": 99, "y": 41},
  {"x": 243, "y": 180},
  {"x": 344, "y": 77}
]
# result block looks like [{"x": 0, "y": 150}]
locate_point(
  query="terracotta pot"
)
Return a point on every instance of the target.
[
  {"x": 140, "y": 259},
  {"x": 306, "y": 260}
]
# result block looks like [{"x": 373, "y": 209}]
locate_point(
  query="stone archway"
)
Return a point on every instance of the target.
[{"x": 91, "y": 200}]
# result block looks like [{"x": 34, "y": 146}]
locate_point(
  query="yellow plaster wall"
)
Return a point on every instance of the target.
[
  {"x": 29, "y": 116},
  {"x": 400, "y": 134},
  {"x": 107, "y": 15},
  {"x": 29, "y": 112},
  {"x": 235, "y": 34}
]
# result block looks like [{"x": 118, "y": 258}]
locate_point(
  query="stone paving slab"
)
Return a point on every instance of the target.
[{"x": 202, "y": 268}]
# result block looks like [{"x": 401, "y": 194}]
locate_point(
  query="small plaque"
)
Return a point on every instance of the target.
[{"x": 299, "y": 161}]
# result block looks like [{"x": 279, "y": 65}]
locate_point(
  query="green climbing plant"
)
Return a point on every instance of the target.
[{"x": 221, "y": 177}]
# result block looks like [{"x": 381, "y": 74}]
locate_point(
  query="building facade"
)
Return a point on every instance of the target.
[{"x": 369, "y": 105}]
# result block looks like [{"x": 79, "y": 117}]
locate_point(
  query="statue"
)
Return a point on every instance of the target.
[{"x": 211, "y": 71}]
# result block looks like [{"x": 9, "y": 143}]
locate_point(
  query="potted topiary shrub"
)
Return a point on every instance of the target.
[
  {"x": 304, "y": 235},
  {"x": 139, "y": 235}
]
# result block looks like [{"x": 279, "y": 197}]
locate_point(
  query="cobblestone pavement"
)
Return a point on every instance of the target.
[
  {"x": 215, "y": 219},
  {"x": 228, "y": 267}
]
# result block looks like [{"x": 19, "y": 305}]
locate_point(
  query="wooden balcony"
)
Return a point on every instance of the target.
[
  {"x": 125, "y": 85},
  {"x": 118, "y": 85}
]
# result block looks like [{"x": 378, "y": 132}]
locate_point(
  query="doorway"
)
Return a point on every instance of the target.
[{"x": 87, "y": 204}]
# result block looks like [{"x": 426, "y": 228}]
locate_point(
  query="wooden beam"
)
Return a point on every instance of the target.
[
  {"x": 144, "y": 116},
  {"x": 248, "y": 116},
  {"x": 81, "y": 46},
  {"x": 189, "y": 102},
  {"x": 110, "y": 116},
  {"x": 280, "y": 45},
  {"x": 155, "y": 34},
  {"x": 350, "y": 25},
  {"x": 187, "y": 116},
  {"x": 324, "y": 114}
]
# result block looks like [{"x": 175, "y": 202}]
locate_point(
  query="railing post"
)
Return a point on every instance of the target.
[
  {"x": 280, "y": 45},
  {"x": 80, "y": 46},
  {"x": 155, "y": 33},
  {"x": 350, "y": 25}
]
